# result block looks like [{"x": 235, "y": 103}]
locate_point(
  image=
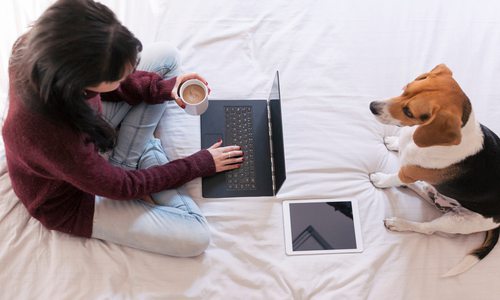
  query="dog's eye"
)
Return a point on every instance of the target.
[
  {"x": 407, "y": 112},
  {"x": 424, "y": 117}
]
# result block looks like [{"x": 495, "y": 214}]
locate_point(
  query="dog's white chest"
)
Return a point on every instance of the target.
[{"x": 438, "y": 157}]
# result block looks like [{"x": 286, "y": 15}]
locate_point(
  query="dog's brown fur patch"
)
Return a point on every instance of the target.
[{"x": 411, "y": 173}]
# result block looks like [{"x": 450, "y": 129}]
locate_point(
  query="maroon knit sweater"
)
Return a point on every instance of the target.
[{"x": 57, "y": 175}]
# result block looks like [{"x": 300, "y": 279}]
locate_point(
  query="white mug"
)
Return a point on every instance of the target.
[{"x": 194, "y": 94}]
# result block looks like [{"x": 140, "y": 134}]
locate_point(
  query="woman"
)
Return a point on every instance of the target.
[{"x": 73, "y": 81}]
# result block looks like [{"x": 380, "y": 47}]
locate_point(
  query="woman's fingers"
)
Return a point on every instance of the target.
[
  {"x": 188, "y": 76},
  {"x": 196, "y": 76},
  {"x": 234, "y": 154},
  {"x": 230, "y": 167},
  {"x": 180, "y": 103},
  {"x": 232, "y": 148},
  {"x": 216, "y": 145},
  {"x": 234, "y": 160},
  {"x": 148, "y": 199},
  {"x": 177, "y": 99}
]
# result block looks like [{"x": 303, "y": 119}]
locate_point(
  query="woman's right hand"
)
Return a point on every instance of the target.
[
  {"x": 179, "y": 81},
  {"x": 226, "y": 158}
]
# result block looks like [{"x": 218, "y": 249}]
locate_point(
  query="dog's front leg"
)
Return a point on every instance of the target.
[
  {"x": 425, "y": 191},
  {"x": 392, "y": 143},
  {"x": 383, "y": 180}
]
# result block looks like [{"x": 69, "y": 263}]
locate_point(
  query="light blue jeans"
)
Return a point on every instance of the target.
[{"x": 175, "y": 225}]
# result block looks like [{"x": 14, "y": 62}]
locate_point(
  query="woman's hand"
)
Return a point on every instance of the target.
[
  {"x": 226, "y": 158},
  {"x": 178, "y": 82},
  {"x": 148, "y": 199}
]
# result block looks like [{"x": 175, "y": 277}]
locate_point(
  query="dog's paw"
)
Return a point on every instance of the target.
[
  {"x": 392, "y": 143},
  {"x": 396, "y": 224},
  {"x": 382, "y": 180}
]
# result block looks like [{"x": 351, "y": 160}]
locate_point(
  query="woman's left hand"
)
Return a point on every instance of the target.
[
  {"x": 181, "y": 79},
  {"x": 148, "y": 199}
]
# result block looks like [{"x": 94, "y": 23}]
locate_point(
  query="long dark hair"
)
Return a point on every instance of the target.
[{"x": 73, "y": 45}]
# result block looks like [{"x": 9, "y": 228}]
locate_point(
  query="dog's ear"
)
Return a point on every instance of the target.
[
  {"x": 441, "y": 69},
  {"x": 422, "y": 76},
  {"x": 442, "y": 130}
]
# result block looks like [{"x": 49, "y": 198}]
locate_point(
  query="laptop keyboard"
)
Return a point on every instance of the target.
[{"x": 239, "y": 131}]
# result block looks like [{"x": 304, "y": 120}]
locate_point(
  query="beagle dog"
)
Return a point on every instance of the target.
[{"x": 447, "y": 157}]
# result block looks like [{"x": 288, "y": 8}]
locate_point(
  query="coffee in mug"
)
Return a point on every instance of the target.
[{"x": 194, "y": 94}]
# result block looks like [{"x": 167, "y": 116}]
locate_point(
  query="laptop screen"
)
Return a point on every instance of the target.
[{"x": 277, "y": 134}]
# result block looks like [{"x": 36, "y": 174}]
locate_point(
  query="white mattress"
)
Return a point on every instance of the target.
[{"x": 334, "y": 58}]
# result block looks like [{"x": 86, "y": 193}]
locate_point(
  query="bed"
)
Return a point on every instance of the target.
[{"x": 334, "y": 58}]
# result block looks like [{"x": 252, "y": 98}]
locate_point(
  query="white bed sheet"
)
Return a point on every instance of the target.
[{"x": 334, "y": 58}]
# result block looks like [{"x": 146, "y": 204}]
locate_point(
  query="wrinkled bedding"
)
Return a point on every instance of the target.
[{"x": 334, "y": 57}]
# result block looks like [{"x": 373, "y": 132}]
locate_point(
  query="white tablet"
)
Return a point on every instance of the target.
[{"x": 321, "y": 227}]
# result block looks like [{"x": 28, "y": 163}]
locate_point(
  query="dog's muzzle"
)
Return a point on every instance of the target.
[
  {"x": 381, "y": 113},
  {"x": 376, "y": 107}
]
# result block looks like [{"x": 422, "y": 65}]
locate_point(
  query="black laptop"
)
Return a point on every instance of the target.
[{"x": 256, "y": 126}]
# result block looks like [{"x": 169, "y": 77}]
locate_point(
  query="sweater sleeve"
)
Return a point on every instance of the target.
[
  {"x": 142, "y": 86},
  {"x": 80, "y": 165}
]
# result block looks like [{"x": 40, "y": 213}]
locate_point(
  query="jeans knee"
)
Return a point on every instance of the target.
[
  {"x": 197, "y": 242},
  {"x": 161, "y": 58},
  {"x": 189, "y": 243},
  {"x": 153, "y": 155}
]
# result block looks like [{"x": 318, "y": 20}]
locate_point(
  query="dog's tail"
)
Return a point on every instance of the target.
[{"x": 490, "y": 240}]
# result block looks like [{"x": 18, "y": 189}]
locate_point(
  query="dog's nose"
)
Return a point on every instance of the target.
[{"x": 375, "y": 107}]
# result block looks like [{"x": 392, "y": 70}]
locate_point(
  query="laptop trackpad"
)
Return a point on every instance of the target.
[{"x": 208, "y": 139}]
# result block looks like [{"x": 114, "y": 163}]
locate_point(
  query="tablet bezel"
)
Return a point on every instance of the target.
[{"x": 288, "y": 228}]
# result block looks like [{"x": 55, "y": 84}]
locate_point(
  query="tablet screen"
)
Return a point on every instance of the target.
[{"x": 321, "y": 226}]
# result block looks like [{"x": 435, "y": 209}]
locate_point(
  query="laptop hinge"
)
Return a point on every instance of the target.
[{"x": 269, "y": 124}]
